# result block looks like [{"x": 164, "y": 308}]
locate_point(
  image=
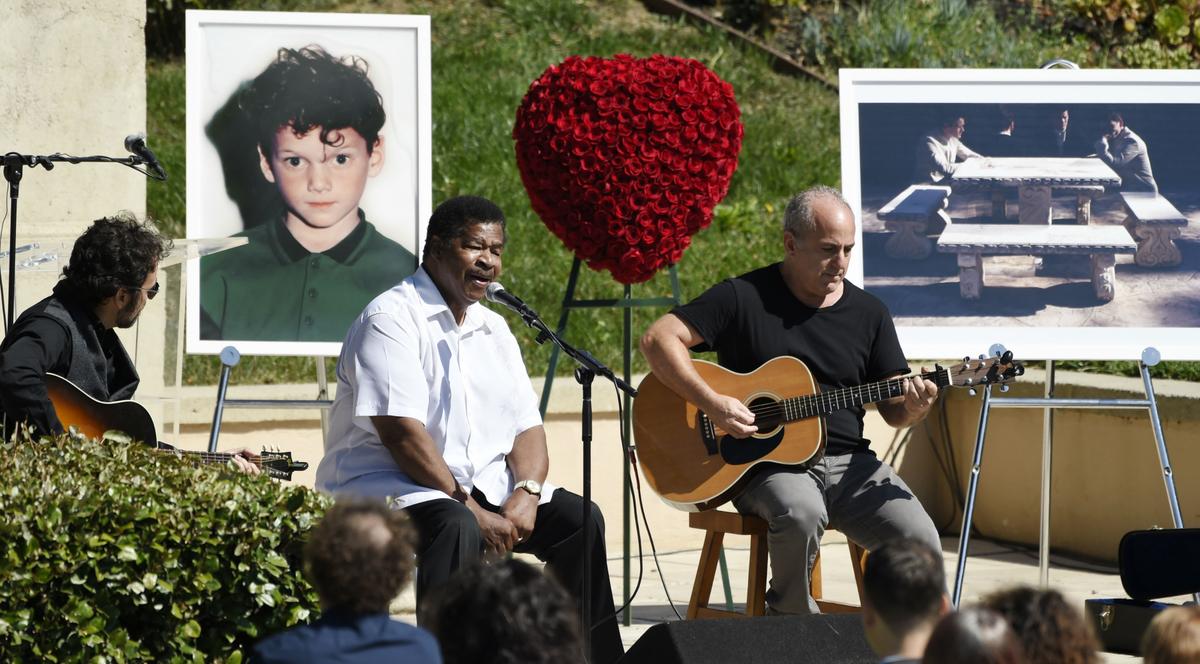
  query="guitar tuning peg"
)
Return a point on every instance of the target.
[
  {"x": 972, "y": 391},
  {"x": 1004, "y": 387},
  {"x": 966, "y": 359},
  {"x": 982, "y": 356},
  {"x": 968, "y": 381}
]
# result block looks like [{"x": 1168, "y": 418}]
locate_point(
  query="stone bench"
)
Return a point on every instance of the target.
[
  {"x": 1155, "y": 224},
  {"x": 974, "y": 241},
  {"x": 913, "y": 215}
]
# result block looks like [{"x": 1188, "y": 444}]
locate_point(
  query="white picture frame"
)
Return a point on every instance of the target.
[
  {"x": 1035, "y": 321},
  {"x": 227, "y": 49}
]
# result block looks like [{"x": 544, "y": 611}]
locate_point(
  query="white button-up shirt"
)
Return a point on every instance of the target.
[{"x": 405, "y": 356}]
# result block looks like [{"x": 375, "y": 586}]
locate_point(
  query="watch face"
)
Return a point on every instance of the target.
[{"x": 532, "y": 486}]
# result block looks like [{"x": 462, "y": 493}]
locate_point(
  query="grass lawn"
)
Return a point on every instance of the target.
[{"x": 485, "y": 55}]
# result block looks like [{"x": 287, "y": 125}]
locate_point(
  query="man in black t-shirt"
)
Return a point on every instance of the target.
[{"x": 803, "y": 307}]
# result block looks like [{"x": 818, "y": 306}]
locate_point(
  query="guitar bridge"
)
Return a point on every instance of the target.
[{"x": 708, "y": 434}]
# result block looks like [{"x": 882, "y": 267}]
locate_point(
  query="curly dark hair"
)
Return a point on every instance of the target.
[
  {"x": 1050, "y": 630},
  {"x": 114, "y": 252},
  {"x": 307, "y": 88},
  {"x": 505, "y": 613},
  {"x": 360, "y": 556},
  {"x": 452, "y": 218}
]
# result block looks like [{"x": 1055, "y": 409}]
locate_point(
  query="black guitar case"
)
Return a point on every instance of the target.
[{"x": 1154, "y": 564}]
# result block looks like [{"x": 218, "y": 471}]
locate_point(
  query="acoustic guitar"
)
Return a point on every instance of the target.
[
  {"x": 693, "y": 465},
  {"x": 78, "y": 410}
]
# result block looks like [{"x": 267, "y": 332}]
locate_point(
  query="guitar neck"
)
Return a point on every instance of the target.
[
  {"x": 211, "y": 457},
  {"x": 824, "y": 403}
]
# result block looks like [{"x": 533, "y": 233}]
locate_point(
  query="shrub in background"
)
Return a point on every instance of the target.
[{"x": 115, "y": 552}]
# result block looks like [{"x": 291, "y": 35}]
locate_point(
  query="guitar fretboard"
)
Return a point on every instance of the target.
[{"x": 824, "y": 403}]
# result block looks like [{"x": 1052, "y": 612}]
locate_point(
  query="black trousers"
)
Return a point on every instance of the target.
[{"x": 449, "y": 538}]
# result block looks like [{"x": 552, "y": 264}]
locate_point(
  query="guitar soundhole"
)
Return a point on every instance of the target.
[
  {"x": 768, "y": 417},
  {"x": 768, "y": 414}
]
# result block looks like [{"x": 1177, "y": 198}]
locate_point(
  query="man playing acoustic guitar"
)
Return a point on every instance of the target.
[
  {"x": 804, "y": 308},
  {"x": 112, "y": 274}
]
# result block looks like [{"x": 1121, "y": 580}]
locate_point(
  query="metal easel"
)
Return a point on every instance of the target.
[
  {"x": 229, "y": 359},
  {"x": 1149, "y": 358}
]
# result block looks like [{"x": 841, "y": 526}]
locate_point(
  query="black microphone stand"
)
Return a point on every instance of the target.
[
  {"x": 589, "y": 367},
  {"x": 14, "y": 169}
]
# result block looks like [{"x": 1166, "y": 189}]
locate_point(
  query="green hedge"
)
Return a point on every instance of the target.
[{"x": 117, "y": 553}]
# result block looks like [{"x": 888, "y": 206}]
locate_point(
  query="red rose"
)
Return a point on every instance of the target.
[{"x": 625, "y": 158}]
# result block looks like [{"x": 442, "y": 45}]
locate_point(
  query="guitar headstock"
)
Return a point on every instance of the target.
[
  {"x": 279, "y": 465},
  {"x": 984, "y": 371}
]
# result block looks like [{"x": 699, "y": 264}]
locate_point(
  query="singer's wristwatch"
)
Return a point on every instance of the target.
[{"x": 532, "y": 486}]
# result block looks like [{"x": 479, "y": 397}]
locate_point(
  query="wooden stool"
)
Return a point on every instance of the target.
[{"x": 716, "y": 525}]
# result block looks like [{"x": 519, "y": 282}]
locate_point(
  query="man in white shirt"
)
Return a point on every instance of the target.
[
  {"x": 435, "y": 411},
  {"x": 940, "y": 151}
]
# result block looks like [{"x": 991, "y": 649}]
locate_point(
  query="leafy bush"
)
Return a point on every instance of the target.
[{"x": 118, "y": 553}]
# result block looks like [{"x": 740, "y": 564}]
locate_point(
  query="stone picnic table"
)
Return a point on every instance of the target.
[{"x": 1035, "y": 179}]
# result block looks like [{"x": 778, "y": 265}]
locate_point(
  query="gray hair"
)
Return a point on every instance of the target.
[{"x": 799, "y": 218}]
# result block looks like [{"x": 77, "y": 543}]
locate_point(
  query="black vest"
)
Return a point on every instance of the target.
[{"x": 88, "y": 364}]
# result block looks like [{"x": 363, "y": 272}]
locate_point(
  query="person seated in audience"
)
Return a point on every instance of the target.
[
  {"x": 1173, "y": 637},
  {"x": 508, "y": 612},
  {"x": 358, "y": 558},
  {"x": 976, "y": 635},
  {"x": 1050, "y": 630},
  {"x": 904, "y": 595}
]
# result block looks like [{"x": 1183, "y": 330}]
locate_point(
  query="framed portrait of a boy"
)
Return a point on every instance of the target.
[
  {"x": 1053, "y": 211},
  {"x": 309, "y": 136}
]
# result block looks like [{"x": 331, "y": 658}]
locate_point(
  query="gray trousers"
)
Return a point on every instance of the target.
[{"x": 855, "y": 493}]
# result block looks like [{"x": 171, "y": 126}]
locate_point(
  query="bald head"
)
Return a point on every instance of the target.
[{"x": 809, "y": 207}]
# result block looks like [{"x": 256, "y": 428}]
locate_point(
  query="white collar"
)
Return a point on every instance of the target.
[{"x": 433, "y": 304}]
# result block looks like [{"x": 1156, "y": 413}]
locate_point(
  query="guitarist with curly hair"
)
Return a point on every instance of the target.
[
  {"x": 112, "y": 274},
  {"x": 803, "y": 307}
]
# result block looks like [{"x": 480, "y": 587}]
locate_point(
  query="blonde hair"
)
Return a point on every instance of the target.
[{"x": 1173, "y": 637}]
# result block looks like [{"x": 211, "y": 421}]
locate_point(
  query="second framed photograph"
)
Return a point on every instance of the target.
[
  {"x": 308, "y": 135},
  {"x": 1055, "y": 212}
]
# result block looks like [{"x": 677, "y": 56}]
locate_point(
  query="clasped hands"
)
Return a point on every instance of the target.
[{"x": 513, "y": 525}]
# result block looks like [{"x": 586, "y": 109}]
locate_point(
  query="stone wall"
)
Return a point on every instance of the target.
[{"x": 73, "y": 80}]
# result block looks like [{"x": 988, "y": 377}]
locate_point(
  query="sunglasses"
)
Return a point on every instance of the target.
[{"x": 150, "y": 292}]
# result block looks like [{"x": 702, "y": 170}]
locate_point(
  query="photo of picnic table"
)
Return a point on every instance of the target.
[{"x": 1036, "y": 179}]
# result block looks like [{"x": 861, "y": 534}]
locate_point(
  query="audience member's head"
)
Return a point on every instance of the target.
[
  {"x": 360, "y": 556},
  {"x": 1173, "y": 637},
  {"x": 976, "y": 635},
  {"x": 1050, "y": 630},
  {"x": 505, "y": 613},
  {"x": 904, "y": 594}
]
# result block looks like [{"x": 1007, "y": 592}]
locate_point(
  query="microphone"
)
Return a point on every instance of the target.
[
  {"x": 495, "y": 292},
  {"x": 135, "y": 144}
]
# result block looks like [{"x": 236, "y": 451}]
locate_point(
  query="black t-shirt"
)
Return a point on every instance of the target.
[{"x": 753, "y": 318}]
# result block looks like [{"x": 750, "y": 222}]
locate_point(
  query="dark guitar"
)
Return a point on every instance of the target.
[
  {"x": 695, "y": 466},
  {"x": 78, "y": 410}
]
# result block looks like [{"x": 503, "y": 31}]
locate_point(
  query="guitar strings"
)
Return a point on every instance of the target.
[{"x": 839, "y": 395}]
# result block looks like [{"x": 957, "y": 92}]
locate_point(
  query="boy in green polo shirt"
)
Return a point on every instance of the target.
[{"x": 305, "y": 275}]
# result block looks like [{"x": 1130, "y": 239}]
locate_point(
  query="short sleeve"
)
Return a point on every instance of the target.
[
  {"x": 525, "y": 400},
  {"x": 386, "y": 361},
  {"x": 710, "y": 313},
  {"x": 886, "y": 357}
]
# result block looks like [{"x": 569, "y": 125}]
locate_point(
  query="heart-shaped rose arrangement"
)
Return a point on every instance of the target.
[{"x": 624, "y": 158}]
